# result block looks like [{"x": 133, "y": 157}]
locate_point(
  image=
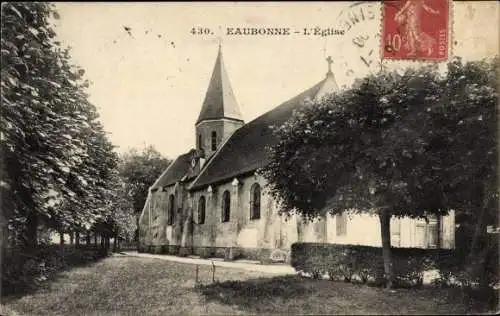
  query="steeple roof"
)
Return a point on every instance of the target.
[
  {"x": 244, "y": 152},
  {"x": 220, "y": 101}
]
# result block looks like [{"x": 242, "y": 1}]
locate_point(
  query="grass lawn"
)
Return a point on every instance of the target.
[{"x": 144, "y": 286}]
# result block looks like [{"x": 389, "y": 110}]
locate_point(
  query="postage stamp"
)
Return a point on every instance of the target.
[{"x": 415, "y": 29}]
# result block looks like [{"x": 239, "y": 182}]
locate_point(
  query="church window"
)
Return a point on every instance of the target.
[
  {"x": 255, "y": 201},
  {"x": 201, "y": 210},
  {"x": 171, "y": 209},
  {"x": 214, "y": 140},
  {"x": 341, "y": 224},
  {"x": 226, "y": 206},
  {"x": 199, "y": 141}
]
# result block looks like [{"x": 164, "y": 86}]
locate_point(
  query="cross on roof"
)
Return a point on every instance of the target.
[
  {"x": 329, "y": 60},
  {"x": 219, "y": 40},
  {"x": 219, "y": 37}
]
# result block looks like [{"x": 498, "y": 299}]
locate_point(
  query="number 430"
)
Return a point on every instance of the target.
[{"x": 200, "y": 31}]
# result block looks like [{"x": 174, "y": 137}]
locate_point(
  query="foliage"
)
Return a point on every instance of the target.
[
  {"x": 350, "y": 150},
  {"x": 464, "y": 142},
  {"x": 140, "y": 169},
  {"x": 394, "y": 144},
  {"x": 363, "y": 263},
  {"x": 57, "y": 159},
  {"x": 119, "y": 218},
  {"x": 392, "y": 141}
]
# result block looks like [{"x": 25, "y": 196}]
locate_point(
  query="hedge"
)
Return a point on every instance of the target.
[
  {"x": 365, "y": 264},
  {"x": 24, "y": 270}
]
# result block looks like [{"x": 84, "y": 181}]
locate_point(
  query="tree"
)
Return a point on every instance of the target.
[
  {"x": 55, "y": 153},
  {"x": 119, "y": 221},
  {"x": 371, "y": 149},
  {"x": 466, "y": 142},
  {"x": 139, "y": 170}
]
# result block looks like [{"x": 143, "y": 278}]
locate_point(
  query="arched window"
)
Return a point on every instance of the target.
[
  {"x": 214, "y": 140},
  {"x": 199, "y": 141},
  {"x": 201, "y": 210},
  {"x": 171, "y": 209},
  {"x": 226, "y": 206},
  {"x": 255, "y": 201}
]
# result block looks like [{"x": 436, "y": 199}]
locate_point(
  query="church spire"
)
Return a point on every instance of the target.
[{"x": 220, "y": 101}]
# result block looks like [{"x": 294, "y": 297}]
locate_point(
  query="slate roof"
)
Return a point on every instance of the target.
[
  {"x": 244, "y": 151},
  {"x": 177, "y": 170},
  {"x": 220, "y": 101}
]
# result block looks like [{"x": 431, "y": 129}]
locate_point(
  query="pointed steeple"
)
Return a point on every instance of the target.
[{"x": 220, "y": 101}]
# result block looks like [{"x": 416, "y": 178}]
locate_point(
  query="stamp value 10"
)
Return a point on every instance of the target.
[{"x": 415, "y": 29}]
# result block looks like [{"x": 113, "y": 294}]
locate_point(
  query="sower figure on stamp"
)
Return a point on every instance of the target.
[{"x": 409, "y": 19}]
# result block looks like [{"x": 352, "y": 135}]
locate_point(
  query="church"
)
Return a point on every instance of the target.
[{"x": 210, "y": 202}]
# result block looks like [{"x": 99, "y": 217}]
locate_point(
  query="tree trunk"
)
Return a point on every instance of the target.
[
  {"x": 385, "y": 230},
  {"x": 481, "y": 225},
  {"x": 106, "y": 240},
  {"x": 4, "y": 232},
  {"x": 115, "y": 241},
  {"x": 71, "y": 238},
  {"x": 87, "y": 238},
  {"x": 479, "y": 231},
  {"x": 439, "y": 232},
  {"x": 95, "y": 238},
  {"x": 31, "y": 229},
  {"x": 77, "y": 238},
  {"x": 102, "y": 241},
  {"x": 477, "y": 254},
  {"x": 61, "y": 238}
]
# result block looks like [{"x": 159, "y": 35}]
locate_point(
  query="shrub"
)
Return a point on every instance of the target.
[
  {"x": 455, "y": 270},
  {"x": 364, "y": 263}
]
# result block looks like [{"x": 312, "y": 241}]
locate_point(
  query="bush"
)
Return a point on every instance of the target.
[
  {"x": 365, "y": 263},
  {"x": 483, "y": 270},
  {"x": 25, "y": 270}
]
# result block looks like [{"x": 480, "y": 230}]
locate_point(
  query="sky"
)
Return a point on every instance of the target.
[{"x": 149, "y": 82}]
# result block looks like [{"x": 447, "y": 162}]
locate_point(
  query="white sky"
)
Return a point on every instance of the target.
[{"x": 150, "y": 91}]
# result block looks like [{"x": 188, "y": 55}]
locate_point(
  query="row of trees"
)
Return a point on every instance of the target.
[
  {"x": 58, "y": 168},
  {"x": 416, "y": 144}
]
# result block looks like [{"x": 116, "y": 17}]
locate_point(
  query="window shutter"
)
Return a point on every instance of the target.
[{"x": 341, "y": 224}]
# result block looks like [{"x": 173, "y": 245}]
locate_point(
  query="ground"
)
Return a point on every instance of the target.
[{"x": 125, "y": 285}]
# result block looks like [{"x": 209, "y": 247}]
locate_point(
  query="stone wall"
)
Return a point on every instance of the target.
[
  {"x": 240, "y": 230},
  {"x": 256, "y": 238}
]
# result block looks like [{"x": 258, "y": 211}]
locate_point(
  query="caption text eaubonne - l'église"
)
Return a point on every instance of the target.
[{"x": 269, "y": 31}]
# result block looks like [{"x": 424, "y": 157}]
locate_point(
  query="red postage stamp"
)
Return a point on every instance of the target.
[{"x": 415, "y": 29}]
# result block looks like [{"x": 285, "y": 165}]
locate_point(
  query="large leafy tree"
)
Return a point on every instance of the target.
[
  {"x": 55, "y": 153},
  {"x": 118, "y": 220},
  {"x": 376, "y": 148},
  {"x": 465, "y": 140},
  {"x": 466, "y": 130},
  {"x": 139, "y": 169}
]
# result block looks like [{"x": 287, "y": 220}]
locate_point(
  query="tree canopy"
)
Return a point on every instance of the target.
[
  {"x": 139, "y": 169},
  {"x": 415, "y": 144},
  {"x": 57, "y": 162}
]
